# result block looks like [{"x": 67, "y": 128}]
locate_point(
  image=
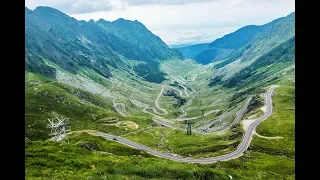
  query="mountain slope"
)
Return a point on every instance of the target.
[
  {"x": 276, "y": 33},
  {"x": 237, "y": 39},
  {"x": 193, "y": 50},
  {"x": 221, "y": 47},
  {"x": 140, "y": 38},
  {"x": 232, "y": 45},
  {"x": 73, "y": 44},
  {"x": 265, "y": 69}
]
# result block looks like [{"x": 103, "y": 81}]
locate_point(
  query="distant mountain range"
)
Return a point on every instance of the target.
[
  {"x": 233, "y": 44},
  {"x": 73, "y": 44}
]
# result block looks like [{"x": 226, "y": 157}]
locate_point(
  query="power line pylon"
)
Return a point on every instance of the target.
[
  {"x": 58, "y": 129},
  {"x": 189, "y": 127}
]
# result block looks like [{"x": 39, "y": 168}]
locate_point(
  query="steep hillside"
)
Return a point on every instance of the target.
[
  {"x": 275, "y": 33},
  {"x": 234, "y": 45},
  {"x": 140, "y": 38},
  {"x": 46, "y": 99},
  {"x": 193, "y": 50},
  {"x": 239, "y": 38},
  {"x": 267, "y": 68},
  {"x": 274, "y": 46},
  {"x": 221, "y": 47},
  {"x": 212, "y": 54},
  {"x": 73, "y": 44}
]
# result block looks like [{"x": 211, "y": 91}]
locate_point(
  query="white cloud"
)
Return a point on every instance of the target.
[
  {"x": 233, "y": 2},
  {"x": 194, "y": 35},
  {"x": 167, "y": 2},
  {"x": 178, "y": 21},
  {"x": 74, "y": 6}
]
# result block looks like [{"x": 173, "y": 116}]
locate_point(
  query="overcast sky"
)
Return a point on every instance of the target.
[{"x": 177, "y": 21}]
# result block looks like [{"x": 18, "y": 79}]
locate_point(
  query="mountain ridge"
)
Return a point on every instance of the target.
[
  {"x": 72, "y": 44},
  {"x": 229, "y": 43}
]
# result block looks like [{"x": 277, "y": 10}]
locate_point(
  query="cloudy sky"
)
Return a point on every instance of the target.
[{"x": 177, "y": 21}]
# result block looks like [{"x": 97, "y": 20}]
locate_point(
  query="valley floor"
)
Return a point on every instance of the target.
[{"x": 265, "y": 159}]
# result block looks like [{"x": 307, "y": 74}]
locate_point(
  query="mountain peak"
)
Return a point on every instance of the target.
[
  {"x": 126, "y": 20},
  {"x": 46, "y": 8},
  {"x": 291, "y": 14},
  {"x": 121, "y": 20},
  {"x": 102, "y": 20},
  {"x": 27, "y": 10},
  {"x": 91, "y": 21}
]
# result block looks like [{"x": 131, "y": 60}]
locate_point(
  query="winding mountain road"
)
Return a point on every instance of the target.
[
  {"x": 180, "y": 92},
  {"x": 204, "y": 129},
  {"x": 205, "y": 114},
  {"x": 242, "y": 147},
  {"x": 240, "y": 113},
  {"x": 156, "y": 102},
  {"x": 185, "y": 106},
  {"x": 123, "y": 108}
]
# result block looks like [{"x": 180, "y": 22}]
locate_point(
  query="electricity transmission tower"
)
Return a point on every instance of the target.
[
  {"x": 189, "y": 128},
  {"x": 58, "y": 129},
  {"x": 202, "y": 109}
]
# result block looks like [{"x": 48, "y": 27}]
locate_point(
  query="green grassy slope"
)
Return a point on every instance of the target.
[
  {"x": 280, "y": 124},
  {"x": 264, "y": 70},
  {"x": 177, "y": 142},
  {"x": 106, "y": 160},
  {"x": 94, "y": 157},
  {"x": 46, "y": 99},
  {"x": 274, "y": 156}
]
